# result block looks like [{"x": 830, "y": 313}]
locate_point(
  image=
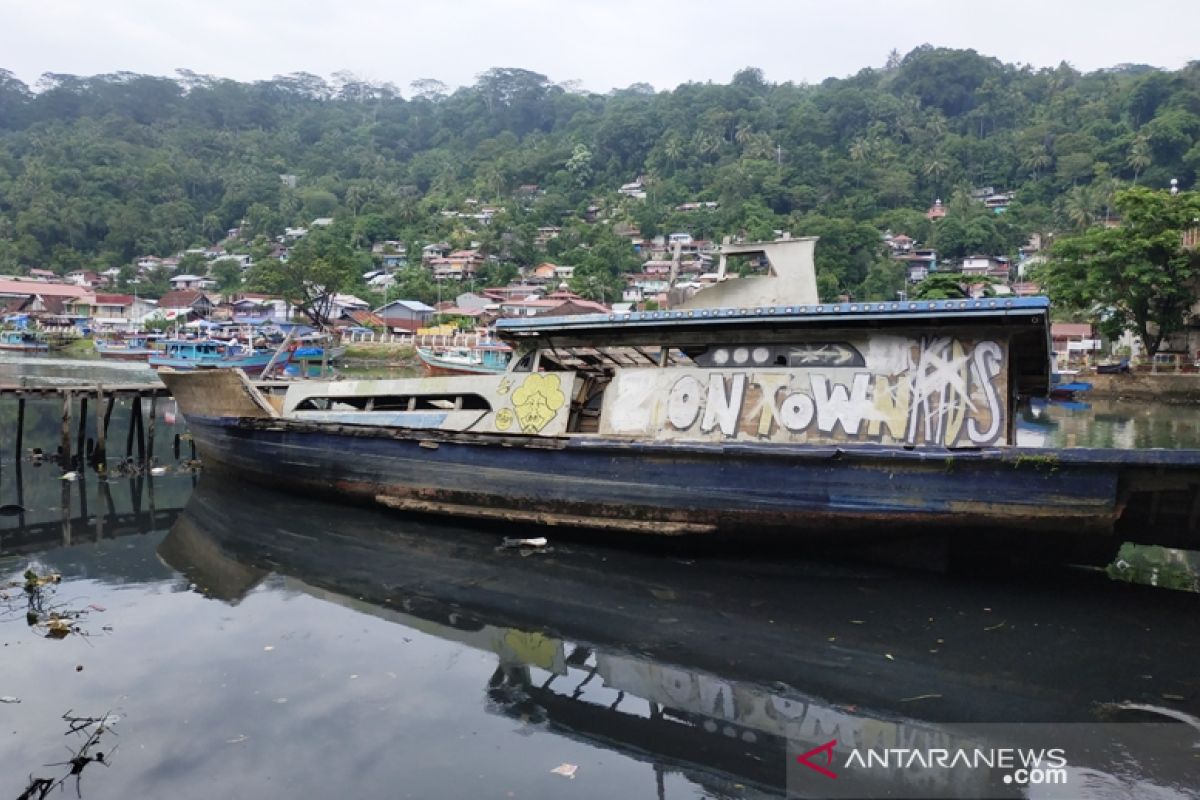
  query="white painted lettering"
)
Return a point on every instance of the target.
[
  {"x": 835, "y": 404},
  {"x": 986, "y": 366},
  {"x": 723, "y": 408},
  {"x": 683, "y": 404}
]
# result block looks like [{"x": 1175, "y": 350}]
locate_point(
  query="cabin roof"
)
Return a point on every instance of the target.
[
  {"x": 1026, "y": 320},
  {"x": 839, "y": 315}
]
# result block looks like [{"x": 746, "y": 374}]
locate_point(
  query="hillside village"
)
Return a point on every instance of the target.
[{"x": 127, "y": 293}]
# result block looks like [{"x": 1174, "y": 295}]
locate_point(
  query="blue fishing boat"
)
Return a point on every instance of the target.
[
  {"x": 23, "y": 341},
  {"x": 206, "y": 354},
  {"x": 794, "y": 418}
]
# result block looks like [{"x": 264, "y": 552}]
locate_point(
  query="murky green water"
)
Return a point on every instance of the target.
[{"x": 254, "y": 644}]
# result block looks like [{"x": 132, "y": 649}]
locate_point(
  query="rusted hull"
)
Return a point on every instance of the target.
[{"x": 675, "y": 489}]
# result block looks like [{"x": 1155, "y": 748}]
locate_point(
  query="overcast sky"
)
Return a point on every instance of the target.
[{"x": 601, "y": 43}]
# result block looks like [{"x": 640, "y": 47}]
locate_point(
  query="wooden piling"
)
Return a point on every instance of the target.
[
  {"x": 65, "y": 513},
  {"x": 141, "y": 428},
  {"x": 133, "y": 409},
  {"x": 98, "y": 453},
  {"x": 64, "y": 446},
  {"x": 150, "y": 424},
  {"x": 81, "y": 434},
  {"x": 20, "y": 426}
]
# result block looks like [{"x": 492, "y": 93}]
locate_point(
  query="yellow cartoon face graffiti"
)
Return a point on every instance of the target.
[{"x": 537, "y": 401}]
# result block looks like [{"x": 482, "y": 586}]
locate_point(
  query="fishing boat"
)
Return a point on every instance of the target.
[
  {"x": 731, "y": 413},
  {"x": 486, "y": 358},
  {"x": 23, "y": 342},
  {"x": 129, "y": 348},
  {"x": 206, "y": 354}
]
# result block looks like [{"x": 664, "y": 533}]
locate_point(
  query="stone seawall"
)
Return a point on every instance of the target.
[{"x": 1167, "y": 388}]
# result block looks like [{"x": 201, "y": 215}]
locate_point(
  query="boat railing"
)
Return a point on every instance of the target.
[{"x": 439, "y": 340}]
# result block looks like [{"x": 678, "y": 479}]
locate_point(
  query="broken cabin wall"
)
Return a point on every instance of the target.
[{"x": 934, "y": 389}]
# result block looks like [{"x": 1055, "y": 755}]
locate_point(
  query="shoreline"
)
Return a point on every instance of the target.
[{"x": 1173, "y": 389}]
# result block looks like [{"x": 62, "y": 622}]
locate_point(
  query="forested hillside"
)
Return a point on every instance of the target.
[{"x": 99, "y": 170}]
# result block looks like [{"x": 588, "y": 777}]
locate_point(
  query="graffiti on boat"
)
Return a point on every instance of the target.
[{"x": 892, "y": 390}]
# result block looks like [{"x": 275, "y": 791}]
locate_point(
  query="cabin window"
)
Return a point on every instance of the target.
[{"x": 444, "y": 402}]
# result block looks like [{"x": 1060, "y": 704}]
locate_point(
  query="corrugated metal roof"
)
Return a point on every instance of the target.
[{"x": 834, "y": 313}]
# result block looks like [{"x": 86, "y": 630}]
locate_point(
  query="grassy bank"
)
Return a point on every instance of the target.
[{"x": 394, "y": 354}]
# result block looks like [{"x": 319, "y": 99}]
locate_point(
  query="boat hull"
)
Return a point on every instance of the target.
[
  {"x": 26, "y": 348},
  {"x": 436, "y": 366},
  {"x": 665, "y": 488},
  {"x": 251, "y": 366},
  {"x": 125, "y": 354}
]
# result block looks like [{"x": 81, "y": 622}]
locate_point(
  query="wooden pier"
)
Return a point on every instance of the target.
[{"x": 102, "y": 399}]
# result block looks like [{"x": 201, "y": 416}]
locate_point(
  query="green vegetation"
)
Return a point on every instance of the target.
[
  {"x": 95, "y": 171},
  {"x": 1137, "y": 277}
]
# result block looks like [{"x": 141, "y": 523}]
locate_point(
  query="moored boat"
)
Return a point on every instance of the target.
[
  {"x": 486, "y": 358},
  {"x": 204, "y": 354},
  {"x": 23, "y": 341},
  {"x": 789, "y": 418},
  {"x": 129, "y": 348}
]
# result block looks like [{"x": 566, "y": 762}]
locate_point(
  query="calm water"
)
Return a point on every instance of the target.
[{"x": 253, "y": 644}]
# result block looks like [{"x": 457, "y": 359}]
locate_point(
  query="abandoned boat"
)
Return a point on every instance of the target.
[
  {"x": 750, "y": 415},
  {"x": 486, "y": 358}
]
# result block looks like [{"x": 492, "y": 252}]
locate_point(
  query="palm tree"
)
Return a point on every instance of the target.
[
  {"x": 1077, "y": 206},
  {"x": 1139, "y": 155},
  {"x": 743, "y": 133},
  {"x": 1035, "y": 160},
  {"x": 672, "y": 149}
]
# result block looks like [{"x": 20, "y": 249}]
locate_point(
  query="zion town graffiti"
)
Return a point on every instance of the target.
[{"x": 942, "y": 391}]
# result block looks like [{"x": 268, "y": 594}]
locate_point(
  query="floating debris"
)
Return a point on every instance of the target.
[
  {"x": 70, "y": 476},
  {"x": 539, "y": 541},
  {"x": 8, "y": 698},
  {"x": 10, "y": 510},
  {"x": 566, "y": 770},
  {"x": 86, "y": 754}
]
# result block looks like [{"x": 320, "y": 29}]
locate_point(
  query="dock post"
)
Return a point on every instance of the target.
[
  {"x": 141, "y": 428},
  {"x": 64, "y": 445},
  {"x": 129, "y": 434},
  {"x": 98, "y": 455},
  {"x": 65, "y": 513},
  {"x": 81, "y": 434},
  {"x": 150, "y": 425},
  {"x": 20, "y": 426}
]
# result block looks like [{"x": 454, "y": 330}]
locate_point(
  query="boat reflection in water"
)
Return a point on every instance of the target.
[{"x": 720, "y": 670}]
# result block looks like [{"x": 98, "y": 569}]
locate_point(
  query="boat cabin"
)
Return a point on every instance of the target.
[{"x": 943, "y": 373}]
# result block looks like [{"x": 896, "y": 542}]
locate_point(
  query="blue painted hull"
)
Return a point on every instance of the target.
[
  {"x": 249, "y": 364},
  {"x": 677, "y": 488}
]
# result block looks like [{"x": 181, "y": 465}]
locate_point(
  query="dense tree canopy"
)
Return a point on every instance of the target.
[
  {"x": 95, "y": 171},
  {"x": 1138, "y": 276}
]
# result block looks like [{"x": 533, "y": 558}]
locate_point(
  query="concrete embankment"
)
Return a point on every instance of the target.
[{"x": 1166, "y": 388}]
